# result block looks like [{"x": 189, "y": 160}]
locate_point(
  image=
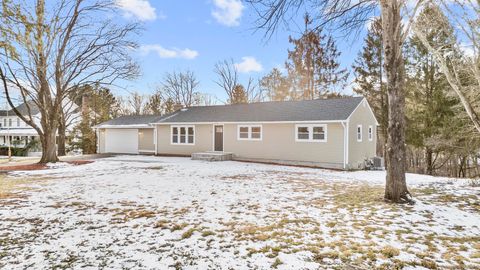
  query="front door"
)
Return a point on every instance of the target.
[{"x": 218, "y": 138}]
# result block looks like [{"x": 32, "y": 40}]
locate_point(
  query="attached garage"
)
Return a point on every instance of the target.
[
  {"x": 127, "y": 135},
  {"x": 124, "y": 141}
]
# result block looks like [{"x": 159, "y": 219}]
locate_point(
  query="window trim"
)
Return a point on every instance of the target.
[
  {"x": 249, "y": 133},
  {"x": 310, "y": 132},
  {"x": 361, "y": 133},
  {"x": 178, "y": 134},
  {"x": 370, "y": 133}
]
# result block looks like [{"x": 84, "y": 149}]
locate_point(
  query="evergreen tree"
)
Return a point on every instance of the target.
[
  {"x": 313, "y": 64},
  {"x": 239, "y": 95},
  {"x": 368, "y": 68},
  {"x": 276, "y": 85},
  {"x": 429, "y": 108},
  {"x": 154, "y": 104},
  {"x": 169, "y": 106}
]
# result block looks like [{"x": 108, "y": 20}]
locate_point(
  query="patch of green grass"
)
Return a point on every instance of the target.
[
  {"x": 207, "y": 233},
  {"x": 276, "y": 263},
  {"x": 188, "y": 233}
]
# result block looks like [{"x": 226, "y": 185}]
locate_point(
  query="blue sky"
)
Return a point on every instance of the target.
[{"x": 196, "y": 34}]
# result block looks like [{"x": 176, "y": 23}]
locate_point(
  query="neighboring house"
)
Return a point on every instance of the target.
[
  {"x": 16, "y": 133},
  {"x": 13, "y": 130},
  {"x": 332, "y": 133}
]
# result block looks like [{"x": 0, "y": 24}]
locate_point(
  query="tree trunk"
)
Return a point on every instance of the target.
[
  {"x": 49, "y": 149},
  {"x": 429, "y": 160},
  {"x": 396, "y": 186},
  {"x": 61, "y": 139}
]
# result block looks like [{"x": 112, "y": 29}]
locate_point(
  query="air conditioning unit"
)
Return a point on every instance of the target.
[{"x": 378, "y": 163}]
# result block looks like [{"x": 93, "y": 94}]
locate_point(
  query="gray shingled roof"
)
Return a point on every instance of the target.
[
  {"x": 305, "y": 110},
  {"x": 22, "y": 108},
  {"x": 131, "y": 120}
]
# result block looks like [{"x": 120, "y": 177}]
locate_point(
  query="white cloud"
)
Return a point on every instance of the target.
[
  {"x": 139, "y": 9},
  {"x": 249, "y": 64},
  {"x": 169, "y": 53},
  {"x": 228, "y": 12}
]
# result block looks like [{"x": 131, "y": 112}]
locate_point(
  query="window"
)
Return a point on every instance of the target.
[
  {"x": 303, "y": 133},
  {"x": 183, "y": 135},
  {"x": 318, "y": 133},
  {"x": 370, "y": 133},
  {"x": 250, "y": 132},
  {"x": 10, "y": 122},
  {"x": 5, "y": 122},
  {"x": 359, "y": 133},
  {"x": 18, "y": 122},
  {"x": 311, "y": 133},
  {"x": 243, "y": 132}
]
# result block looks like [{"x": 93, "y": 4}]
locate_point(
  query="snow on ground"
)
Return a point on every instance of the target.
[{"x": 138, "y": 212}]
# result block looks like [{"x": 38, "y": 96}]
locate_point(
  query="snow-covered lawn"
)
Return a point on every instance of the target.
[{"x": 161, "y": 212}]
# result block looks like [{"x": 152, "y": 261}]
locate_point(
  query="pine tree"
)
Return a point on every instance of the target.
[
  {"x": 429, "y": 108},
  {"x": 313, "y": 64},
  {"x": 154, "y": 104},
  {"x": 169, "y": 106},
  {"x": 239, "y": 95},
  {"x": 368, "y": 68},
  {"x": 276, "y": 85}
]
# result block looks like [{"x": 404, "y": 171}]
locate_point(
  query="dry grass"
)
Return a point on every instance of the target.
[{"x": 15, "y": 188}]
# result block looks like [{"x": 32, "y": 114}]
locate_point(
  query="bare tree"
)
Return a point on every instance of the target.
[
  {"x": 137, "y": 103},
  {"x": 228, "y": 80},
  {"x": 227, "y": 76},
  {"x": 181, "y": 87},
  {"x": 46, "y": 55},
  {"x": 346, "y": 16},
  {"x": 461, "y": 70}
]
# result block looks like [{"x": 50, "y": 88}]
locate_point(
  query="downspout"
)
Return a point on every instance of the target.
[{"x": 97, "y": 133}]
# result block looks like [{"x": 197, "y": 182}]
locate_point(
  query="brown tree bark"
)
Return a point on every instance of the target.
[
  {"x": 61, "y": 137},
  {"x": 49, "y": 150},
  {"x": 396, "y": 186},
  {"x": 429, "y": 160}
]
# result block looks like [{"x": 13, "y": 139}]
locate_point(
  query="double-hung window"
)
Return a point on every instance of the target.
[
  {"x": 249, "y": 132},
  {"x": 370, "y": 133},
  {"x": 311, "y": 133},
  {"x": 183, "y": 135},
  {"x": 18, "y": 122}
]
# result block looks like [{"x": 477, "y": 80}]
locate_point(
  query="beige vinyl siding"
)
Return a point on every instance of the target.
[
  {"x": 203, "y": 141},
  {"x": 359, "y": 151},
  {"x": 145, "y": 140},
  {"x": 278, "y": 144},
  {"x": 101, "y": 140}
]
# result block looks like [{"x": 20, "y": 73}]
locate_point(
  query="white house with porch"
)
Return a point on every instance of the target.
[{"x": 14, "y": 131}]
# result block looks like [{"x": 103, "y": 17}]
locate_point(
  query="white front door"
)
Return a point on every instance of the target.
[{"x": 121, "y": 141}]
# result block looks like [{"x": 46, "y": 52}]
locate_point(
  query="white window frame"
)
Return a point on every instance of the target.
[
  {"x": 249, "y": 132},
  {"x": 310, "y": 132},
  {"x": 370, "y": 133},
  {"x": 359, "y": 133},
  {"x": 186, "y": 134},
  {"x": 18, "y": 121}
]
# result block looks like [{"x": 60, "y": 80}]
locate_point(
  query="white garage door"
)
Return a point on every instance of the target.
[{"x": 124, "y": 141}]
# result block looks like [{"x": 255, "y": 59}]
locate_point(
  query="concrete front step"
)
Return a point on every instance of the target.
[{"x": 212, "y": 156}]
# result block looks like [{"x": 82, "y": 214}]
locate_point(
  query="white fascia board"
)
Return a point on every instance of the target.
[
  {"x": 251, "y": 122},
  {"x": 358, "y": 106},
  {"x": 124, "y": 126}
]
